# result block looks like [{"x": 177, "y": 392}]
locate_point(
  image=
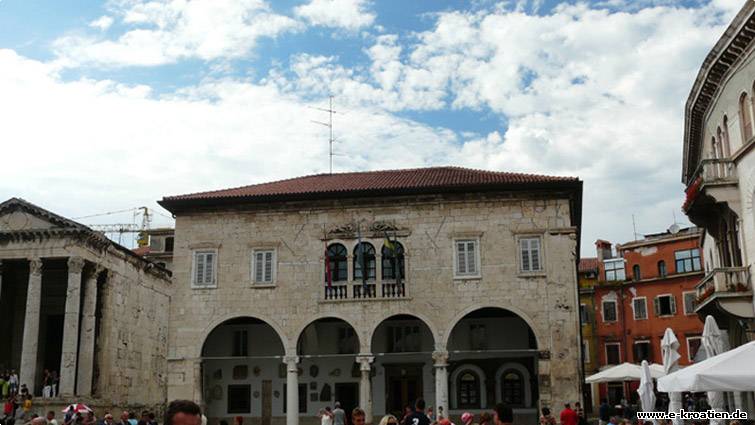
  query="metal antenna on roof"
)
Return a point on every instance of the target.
[
  {"x": 328, "y": 124},
  {"x": 634, "y": 226}
]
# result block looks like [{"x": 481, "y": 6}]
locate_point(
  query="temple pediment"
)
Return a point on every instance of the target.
[{"x": 18, "y": 215}]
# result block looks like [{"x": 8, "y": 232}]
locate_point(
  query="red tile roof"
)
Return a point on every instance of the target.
[
  {"x": 588, "y": 264},
  {"x": 417, "y": 180}
]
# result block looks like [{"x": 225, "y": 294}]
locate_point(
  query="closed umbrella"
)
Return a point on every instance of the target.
[
  {"x": 647, "y": 396},
  {"x": 669, "y": 349},
  {"x": 713, "y": 345}
]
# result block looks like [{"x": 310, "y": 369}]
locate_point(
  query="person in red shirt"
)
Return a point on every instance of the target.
[{"x": 569, "y": 416}]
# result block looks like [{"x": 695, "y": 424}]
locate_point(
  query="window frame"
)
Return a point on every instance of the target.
[
  {"x": 476, "y": 387},
  {"x": 204, "y": 251},
  {"x": 650, "y": 350},
  {"x": 345, "y": 260},
  {"x": 478, "y": 265},
  {"x": 540, "y": 256},
  {"x": 584, "y": 318},
  {"x": 684, "y": 302},
  {"x": 244, "y": 387},
  {"x": 662, "y": 269},
  {"x": 371, "y": 263},
  {"x": 634, "y": 309},
  {"x": 691, "y": 259},
  {"x": 387, "y": 264},
  {"x": 618, "y": 351},
  {"x": 672, "y": 305},
  {"x": 585, "y": 351},
  {"x": 615, "y": 310},
  {"x": 273, "y": 266},
  {"x": 636, "y": 273},
  {"x": 612, "y": 261},
  {"x": 690, "y": 357}
]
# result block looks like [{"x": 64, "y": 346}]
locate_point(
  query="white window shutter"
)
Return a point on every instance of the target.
[
  {"x": 269, "y": 266},
  {"x": 461, "y": 259},
  {"x": 258, "y": 266},
  {"x": 657, "y": 305},
  {"x": 209, "y": 268},
  {"x": 199, "y": 268},
  {"x": 535, "y": 254},
  {"x": 471, "y": 253},
  {"x": 672, "y": 302}
]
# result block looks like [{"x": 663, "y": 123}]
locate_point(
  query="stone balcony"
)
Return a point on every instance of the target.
[
  {"x": 726, "y": 286},
  {"x": 372, "y": 290},
  {"x": 715, "y": 182}
]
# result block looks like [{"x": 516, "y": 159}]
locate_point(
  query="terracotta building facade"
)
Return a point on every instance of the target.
[{"x": 646, "y": 287}]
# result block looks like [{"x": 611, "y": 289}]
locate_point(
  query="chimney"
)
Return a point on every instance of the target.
[{"x": 604, "y": 249}]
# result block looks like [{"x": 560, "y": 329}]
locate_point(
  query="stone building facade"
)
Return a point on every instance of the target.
[
  {"x": 75, "y": 302},
  {"x": 719, "y": 172},
  {"x": 469, "y": 295}
]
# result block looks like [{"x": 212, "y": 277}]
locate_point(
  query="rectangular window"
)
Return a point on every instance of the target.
[
  {"x": 240, "y": 343},
  {"x": 585, "y": 352},
  {"x": 693, "y": 345},
  {"x": 467, "y": 263},
  {"x": 263, "y": 266},
  {"x": 302, "y": 398},
  {"x": 615, "y": 269},
  {"x": 478, "y": 336},
  {"x": 613, "y": 356},
  {"x": 529, "y": 253},
  {"x": 665, "y": 305},
  {"x": 583, "y": 314},
  {"x": 404, "y": 339},
  {"x": 609, "y": 311},
  {"x": 687, "y": 260},
  {"x": 239, "y": 399},
  {"x": 204, "y": 268},
  {"x": 640, "y": 307},
  {"x": 643, "y": 351},
  {"x": 690, "y": 302}
]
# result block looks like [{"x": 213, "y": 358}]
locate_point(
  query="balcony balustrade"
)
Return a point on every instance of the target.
[
  {"x": 342, "y": 291},
  {"x": 725, "y": 280}
]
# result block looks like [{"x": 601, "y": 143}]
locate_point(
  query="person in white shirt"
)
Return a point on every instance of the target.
[
  {"x": 51, "y": 418},
  {"x": 326, "y": 416}
]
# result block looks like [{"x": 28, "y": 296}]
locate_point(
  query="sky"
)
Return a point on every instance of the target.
[{"x": 108, "y": 106}]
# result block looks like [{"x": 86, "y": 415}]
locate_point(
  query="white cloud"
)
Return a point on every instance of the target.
[
  {"x": 102, "y": 23},
  {"x": 166, "y": 31},
  {"x": 348, "y": 14}
]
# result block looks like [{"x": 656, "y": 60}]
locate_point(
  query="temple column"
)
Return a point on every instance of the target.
[
  {"x": 440, "y": 362},
  {"x": 292, "y": 390},
  {"x": 28, "y": 370},
  {"x": 69, "y": 358},
  {"x": 365, "y": 386},
  {"x": 86, "y": 338}
]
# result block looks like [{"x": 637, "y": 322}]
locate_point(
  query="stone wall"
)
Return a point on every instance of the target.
[{"x": 547, "y": 301}]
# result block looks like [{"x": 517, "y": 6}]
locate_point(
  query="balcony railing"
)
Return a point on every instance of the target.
[
  {"x": 723, "y": 280},
  {"x": 717, "y": 170},
  {"x": 370, "y": 291}
]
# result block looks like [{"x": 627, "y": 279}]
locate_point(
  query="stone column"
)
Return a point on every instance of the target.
[
  {"x": 86, "y": 338},
  {"x": 68, "y": 361},
  {"x": 365, "y": 386},
  {"x": 292, "y": 390},
  {"x": 31, "y": 326},
  {"x": 196, "y": 371},
  {"x": 440, "y": 361}
]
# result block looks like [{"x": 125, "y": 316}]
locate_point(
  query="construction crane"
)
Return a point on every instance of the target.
[{"x": 123, "y": 228}]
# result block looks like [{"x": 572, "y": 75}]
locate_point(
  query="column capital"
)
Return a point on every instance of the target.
[
  {"x": 440, "y": 358},
  {"x": 365, "y": 362},
  {"x": 75, "y": 264},
  {"x": 35, "y": 266},
  {"x": 292, "y": 362}
]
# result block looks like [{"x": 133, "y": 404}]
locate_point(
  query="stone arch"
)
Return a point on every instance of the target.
[
  {"x": 446, "y": 334},
  {"x": 421, "y": 317},
  {"x": 300, "y": 331},
  {"x": 218, "y": 322},
  {"x": 525, "y": 377},
  {"x": 453, "y": 392}
]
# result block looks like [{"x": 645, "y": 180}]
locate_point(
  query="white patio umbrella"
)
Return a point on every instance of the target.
[
  {"x": 669, "y": 350},
  {"x": 730, "y": 371},
  {"x": 647, "y": 396},
  {"x": 713, "y": 345},
  {"x": 624, "y": 372}
]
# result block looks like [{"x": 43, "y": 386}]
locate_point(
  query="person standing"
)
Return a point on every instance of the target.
[
  {"x": 418, "y": 417},
  {"x": 51, "y": 418},
  {"x": 326, "y": 416},
  {"x": 13, "y": 381},
  {"x": 339, "y": 415},
  {"x": 569, "y": 416},
  {"x": 546, "y": 418},
  {"x": 503, "y": 415},
  {"x": 604, "y": 412},
  {"x": 182, "y": 412},
  {"x": 357, "y": 416}
]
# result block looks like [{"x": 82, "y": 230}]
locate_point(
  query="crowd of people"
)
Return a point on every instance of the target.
[{"x": 20, "y": 414}]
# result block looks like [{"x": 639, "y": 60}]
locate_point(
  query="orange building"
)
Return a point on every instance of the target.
[{"x": 648, "y": 286}]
